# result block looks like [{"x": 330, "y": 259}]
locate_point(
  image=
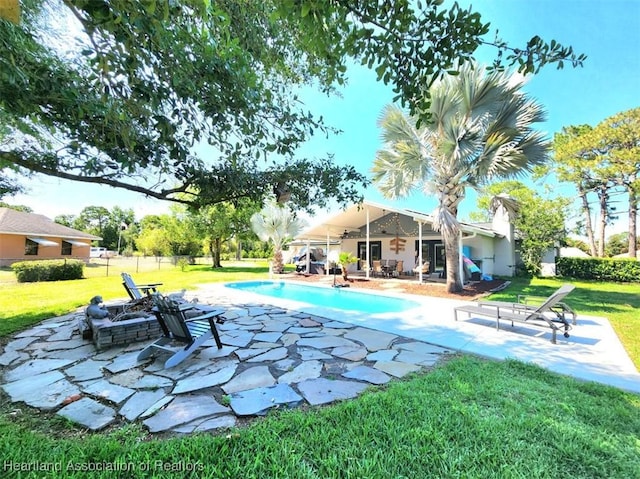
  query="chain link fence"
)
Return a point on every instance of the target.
[{"x": 137, "y": 264}]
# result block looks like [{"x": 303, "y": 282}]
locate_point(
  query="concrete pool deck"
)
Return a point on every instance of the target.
[
  {"x": 593, "y": 352},
  {"x": 278, "y": 353}
]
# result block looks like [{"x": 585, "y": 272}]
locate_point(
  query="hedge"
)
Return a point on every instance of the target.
[
  {"x": 48, "y": 270},
  {"x": 605, "y": 269}
]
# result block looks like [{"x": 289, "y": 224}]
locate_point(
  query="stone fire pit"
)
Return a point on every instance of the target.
[{"x": 126, "y": 326}]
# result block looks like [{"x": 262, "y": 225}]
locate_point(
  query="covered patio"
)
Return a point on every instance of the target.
[{"x": 405, "y": 238}]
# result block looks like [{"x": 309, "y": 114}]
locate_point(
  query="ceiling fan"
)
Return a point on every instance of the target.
[{"x": 344, "y": 235}]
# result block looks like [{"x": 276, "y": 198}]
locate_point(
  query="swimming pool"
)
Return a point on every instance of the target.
[{"x": 335, "y": 298}]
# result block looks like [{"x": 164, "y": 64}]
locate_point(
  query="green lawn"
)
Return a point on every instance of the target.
[
  {"x": 23, "y": 304},
  {"x": 469, "y": 417}
]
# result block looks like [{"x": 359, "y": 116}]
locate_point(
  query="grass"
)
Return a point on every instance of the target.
[
  {"x": 24, "y": 304},
  {"x": 468, "y": 417}
]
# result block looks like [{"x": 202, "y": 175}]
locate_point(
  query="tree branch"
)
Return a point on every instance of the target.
[{"x": 164, "y": 194}]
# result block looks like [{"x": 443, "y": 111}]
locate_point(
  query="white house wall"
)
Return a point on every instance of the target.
[
  {"x": 504, "y": 246},
  {"x": 387, "y": 251},
  {"x": 505, "y": 258},
  {"x": 482, "y": 252},
  {"x": 491, "y": 246}
]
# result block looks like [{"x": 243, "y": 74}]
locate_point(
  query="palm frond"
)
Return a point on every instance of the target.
[
  {"x": 445, "y": 222},
  {"x": 403, "y": 162},
  {"x": 536, "y": 147},
  {"x": 503, "y": 200},
  {"x": 276, "y": 223},
  {"x": 445, "y": 104},
  {"x": 392, "y": 179}
]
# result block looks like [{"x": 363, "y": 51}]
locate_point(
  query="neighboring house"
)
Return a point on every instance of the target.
[
  {"x": 572, "y": 252},
  {"x": 548, "y": 262},
  {"x": 28, "y": 236},
  {"x": 626, "y": 255},
  {"x": 373, "y": 232}
]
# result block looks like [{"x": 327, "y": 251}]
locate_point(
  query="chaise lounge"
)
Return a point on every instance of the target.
[{"x": 550, "y": 314}]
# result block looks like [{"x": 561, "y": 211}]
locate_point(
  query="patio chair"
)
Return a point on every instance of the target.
[
  {"x": 551, "y": 313},
  {"x": 390, "y": 267},
  {"x": 399, "y": 268},
  {"x": 189, "y": 333},
  {"x": 425, "y": 268},
  {"x": 377, "y": 268},
  {"x": 137, "y": 291}
]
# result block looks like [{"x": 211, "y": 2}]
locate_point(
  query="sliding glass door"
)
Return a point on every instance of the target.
[{"x": 375, "y": 252}]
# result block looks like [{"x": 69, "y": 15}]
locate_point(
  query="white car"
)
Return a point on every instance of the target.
[{"x": 97, "y": 252}]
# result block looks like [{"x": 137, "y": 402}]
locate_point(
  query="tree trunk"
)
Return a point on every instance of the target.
[
  {"x": 216, "y": 261},
  {"x": 277, "y": 262},
  {"x": 238, "y": 249},
  {"x": 603, "y": 198},
  {"x": 452, "y": 195},
  {"x": 587, "y": 225},
  {"x": 452, "y": 259},
  {"x": 633, "y": 231},
  {"x": 212, "y": 253}
]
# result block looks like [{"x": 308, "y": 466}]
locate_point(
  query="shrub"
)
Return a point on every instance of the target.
[
  {"x": 183, "y": 262},
  {"x": 603, "y": 269},
  {"x": 48, "y": 270}
]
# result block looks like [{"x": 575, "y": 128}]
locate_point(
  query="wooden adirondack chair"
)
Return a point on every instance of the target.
[
  {"x": 189, "y": 333},
  {"x": 137, "y": 291}
]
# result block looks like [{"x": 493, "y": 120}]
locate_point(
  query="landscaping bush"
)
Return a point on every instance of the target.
[
  {"x": 604, "y": 269},
  {"x": 48, "y": 270}
]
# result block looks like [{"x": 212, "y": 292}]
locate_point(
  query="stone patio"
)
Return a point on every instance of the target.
[{"x": 272, "y": 358}]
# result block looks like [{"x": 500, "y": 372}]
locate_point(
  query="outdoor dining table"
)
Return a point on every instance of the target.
[{"x": 388, "y": 266}]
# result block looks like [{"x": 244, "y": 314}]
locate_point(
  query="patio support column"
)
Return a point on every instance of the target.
[
  {"x": 420, "y": 262},
  {"x": 367, "y": 247},
  {"x": 326, "y": 255}
]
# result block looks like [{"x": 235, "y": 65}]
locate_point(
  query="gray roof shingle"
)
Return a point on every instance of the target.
[{"x": 21, "y": 223}]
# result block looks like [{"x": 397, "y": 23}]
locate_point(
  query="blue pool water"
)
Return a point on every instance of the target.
[{"x": 339, "y": 298}]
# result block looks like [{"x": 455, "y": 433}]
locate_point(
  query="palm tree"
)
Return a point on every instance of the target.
[
  {"x": 478, "y": 128},
  {"x": 276, "y": 223}
]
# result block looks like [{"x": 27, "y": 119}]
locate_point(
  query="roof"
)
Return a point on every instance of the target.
[
  {"x": 15, "y": 222},
  {"x": 573, "y": 252},
  {"x": 354, "y": 219},
  {"x": 626, "y": 255}
]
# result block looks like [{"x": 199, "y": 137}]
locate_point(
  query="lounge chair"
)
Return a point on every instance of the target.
[
  {"x": 178, "y": 328},
  {"x": 424, "y": 268},
  {"x": 551, "y": 313},
  {"x": 137, "y": 291}
]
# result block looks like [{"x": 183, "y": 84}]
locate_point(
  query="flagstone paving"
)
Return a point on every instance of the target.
[{"x": 272, "y": 358}]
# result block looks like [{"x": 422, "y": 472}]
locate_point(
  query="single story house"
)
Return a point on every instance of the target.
[
  {"x": 626, "y": 255},
  {"x": 373, "y": 231},
  {"x": 572, "y": 252},
  {"x": 548, "y": 263},
  {"x": 28, "y": 236}
]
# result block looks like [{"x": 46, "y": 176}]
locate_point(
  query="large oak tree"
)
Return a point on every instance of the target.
[{"x": 126, "y": 92}]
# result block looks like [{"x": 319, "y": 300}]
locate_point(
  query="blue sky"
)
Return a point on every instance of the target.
[{"x": 608, "y": 32}]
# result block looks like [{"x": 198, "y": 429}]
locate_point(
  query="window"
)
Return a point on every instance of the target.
[
  {"x": 66, "y": 248},
  {"x": 30, "y": 248}
]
